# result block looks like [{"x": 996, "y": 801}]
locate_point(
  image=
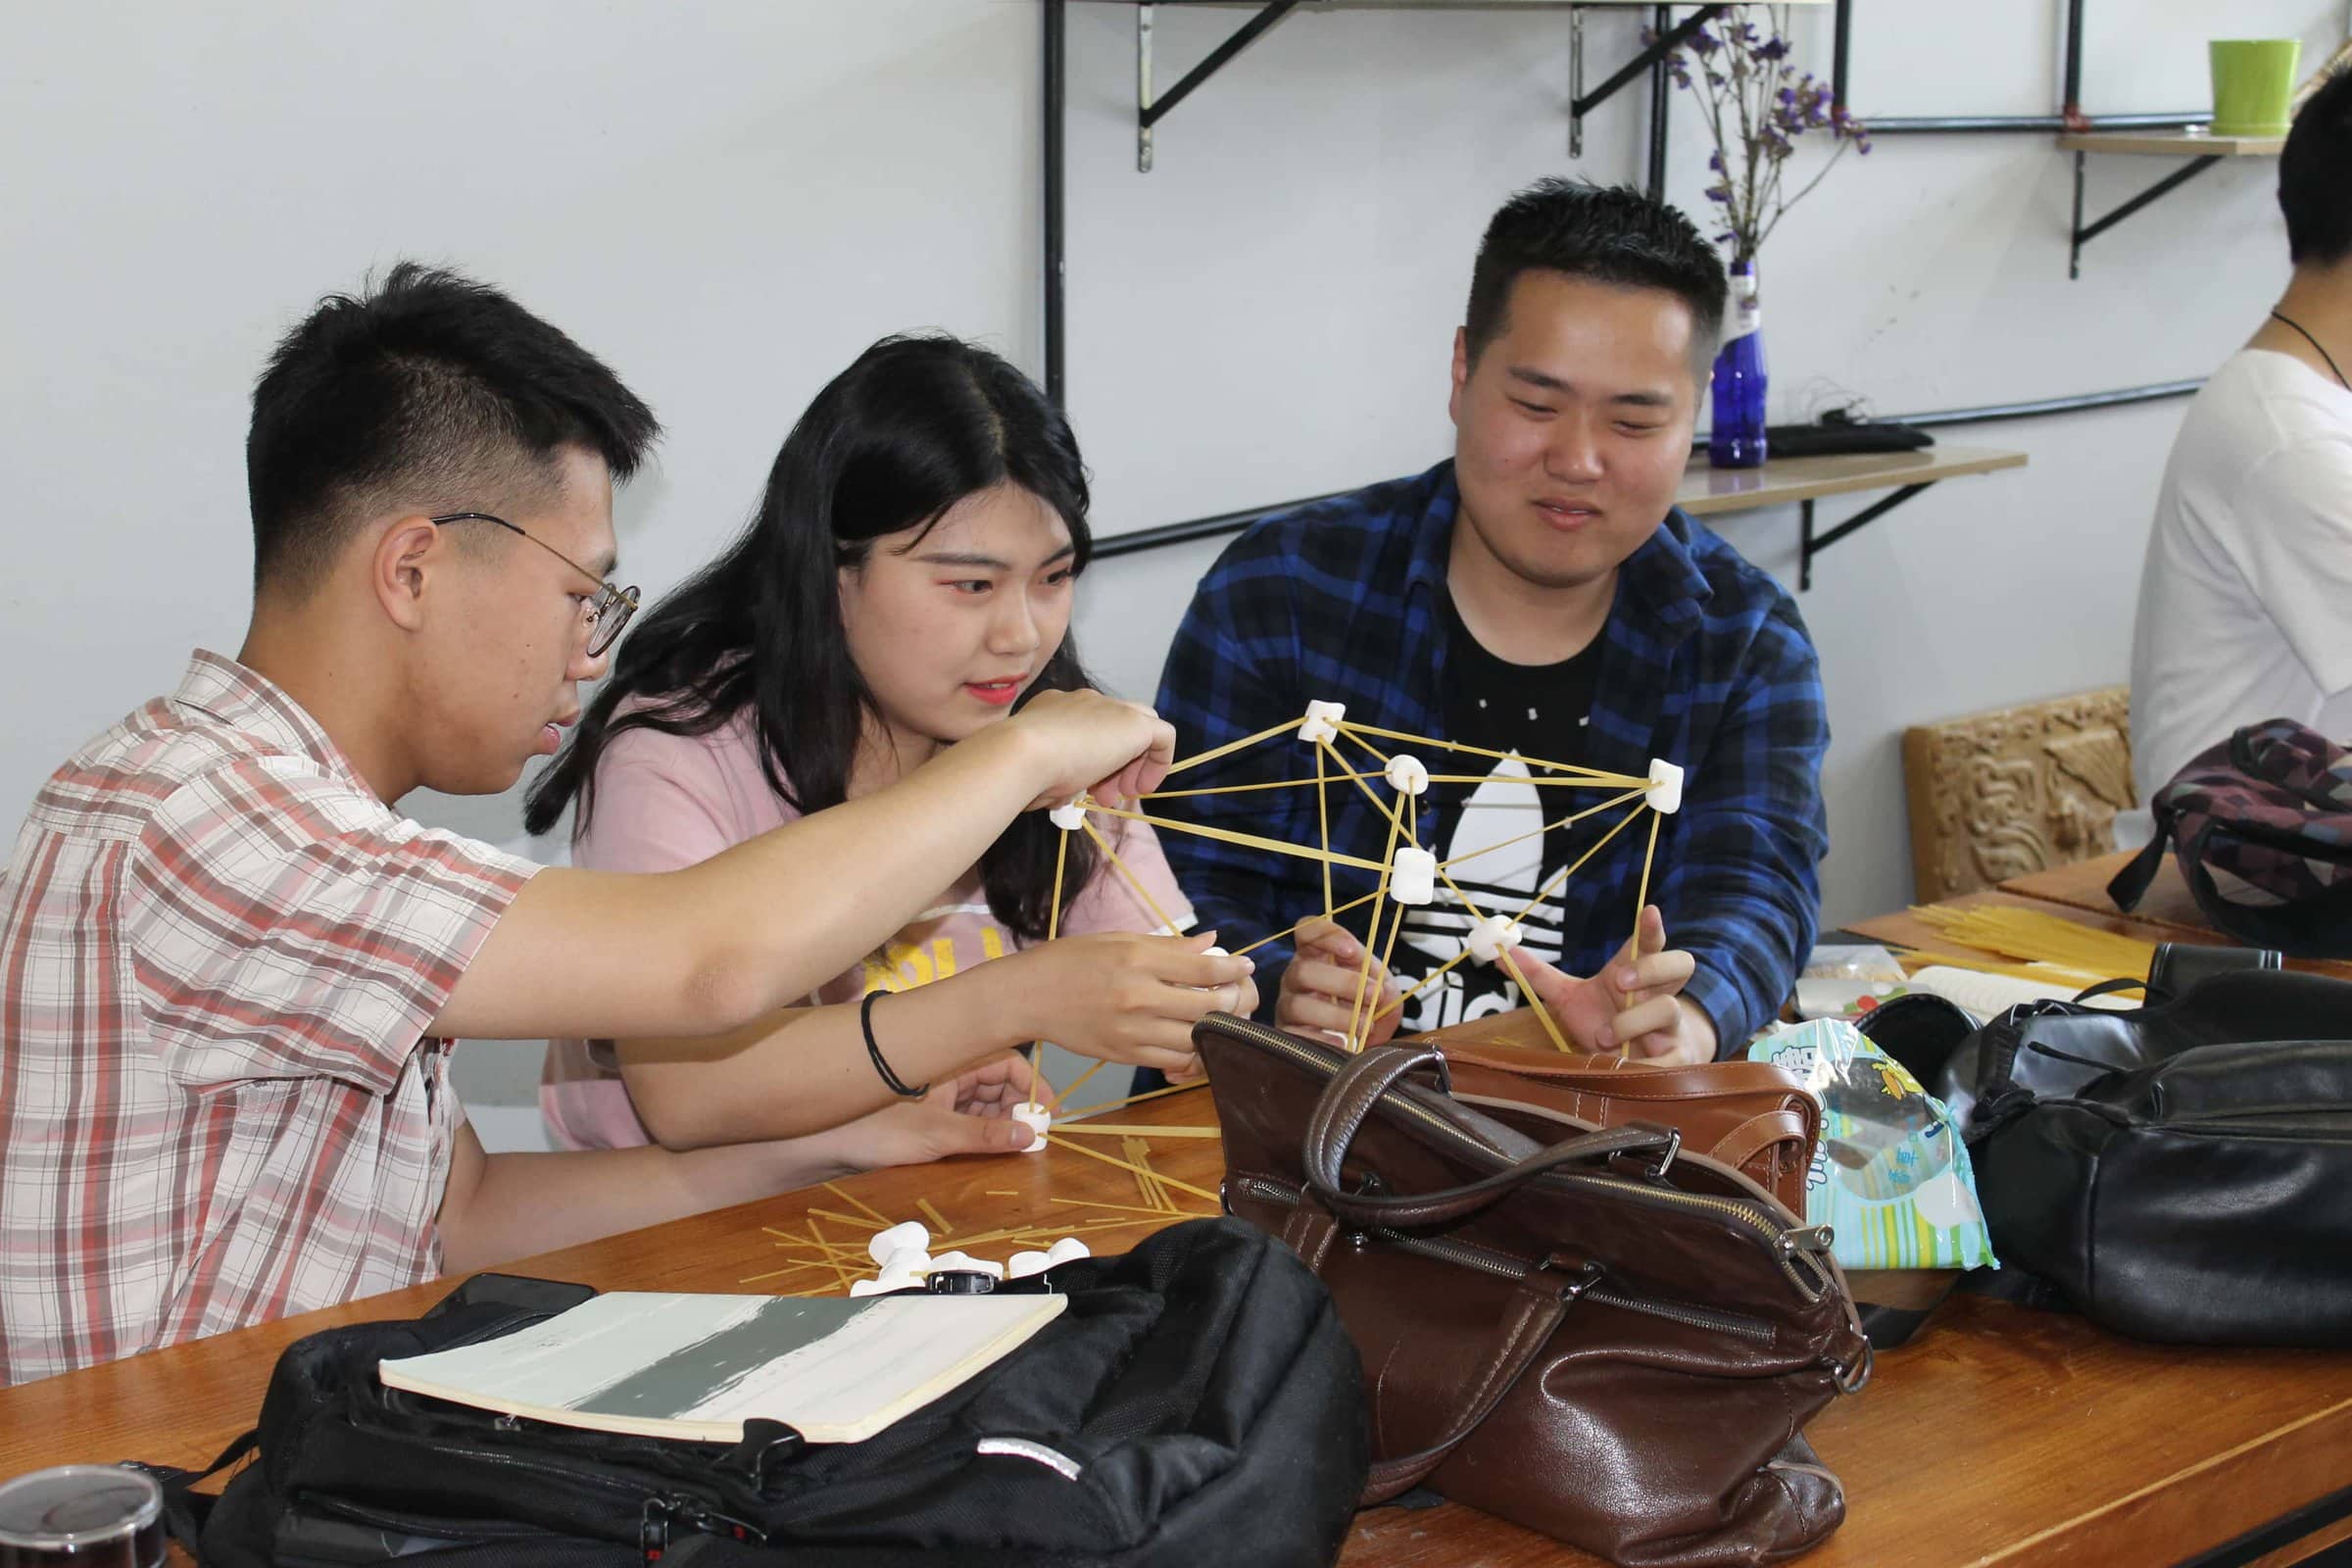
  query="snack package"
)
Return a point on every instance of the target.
[{"x": 1890, "y": 1176}]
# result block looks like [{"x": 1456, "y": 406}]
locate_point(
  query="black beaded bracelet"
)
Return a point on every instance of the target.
[{"x": 866, "y": 1022}]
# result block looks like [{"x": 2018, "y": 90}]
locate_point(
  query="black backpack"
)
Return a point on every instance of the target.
[{"x": 1198, "y": 1402}]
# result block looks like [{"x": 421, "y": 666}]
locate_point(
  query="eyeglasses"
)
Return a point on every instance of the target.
[{"x": 608, "y": 613}]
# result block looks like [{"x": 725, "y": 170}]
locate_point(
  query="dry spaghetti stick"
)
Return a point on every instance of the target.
[
  {"x": 1136, "y": 1130},
  {"x": 779, "y": 1273},
  {"x": 1563, "y": 783},
  {"x": 1075, "y": 1084},
  {"x": 1134, "y": 882},
  {"x": 1384, "y": 807},
  {"x": 1240, "y": 788},
  {"x": 1386, "y": 954},
  {"x": 1570, "y": 820},
  {"x": 1552, "y": 1025},
  {"x": 1062, "y": 860},
  {"x": 1396, "y": 927},
  {"x": 799, "y": 1244},
  {"x": 1560, "y": 879},
  {"x": 1323, "y": 826},
  {"x": 841, "y": 1272},
  {"x": 1226, "y": 835},
  {"x": 867, "y": 1209},
  {"x": 1371, "y": 936},
  {"x": 1169, "y": 1181},
  {"x": 2035, "y": 937},
  {"x": 1135, "y": 1150},
  {"x": 849, "y": 1219},
  {"x": 1036, "y": 1048},
  {"x": 1292, "y": 929},
  {"x": 1149, "y": 1093},
  {"x": 1124, "y": 1209},
  {"x": 1481, "y": 751},
  {"x": 1642, "y": 899},
  {"x": 934, "y": 1215},
  {"x": 1430, "y": 979},
  {"x": 1378, "y": 756},
  {"x": 1234, "y": 746}
]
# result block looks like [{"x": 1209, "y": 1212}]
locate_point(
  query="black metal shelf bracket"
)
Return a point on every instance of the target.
[
  {"x": 1811, "y": 544},
  {"x": 2084, "y": 233},
  {"x": 1581, "y": 102},
  {"x": 1149, "y": 110}
]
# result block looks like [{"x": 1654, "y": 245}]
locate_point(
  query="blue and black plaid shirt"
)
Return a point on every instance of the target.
[{"x": 1704, "y": 662}]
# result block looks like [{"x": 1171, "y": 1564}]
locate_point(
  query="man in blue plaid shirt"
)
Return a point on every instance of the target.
[{"x": 1539, "y": 596}]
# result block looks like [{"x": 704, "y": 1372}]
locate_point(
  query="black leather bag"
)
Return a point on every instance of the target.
[{"x": 2179, "y": 1173}]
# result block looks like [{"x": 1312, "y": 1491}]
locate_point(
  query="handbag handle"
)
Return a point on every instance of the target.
[{"x": 1348, "y": 1100}]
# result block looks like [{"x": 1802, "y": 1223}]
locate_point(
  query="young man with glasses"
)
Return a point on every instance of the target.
[{"x": 233, "y": 971}]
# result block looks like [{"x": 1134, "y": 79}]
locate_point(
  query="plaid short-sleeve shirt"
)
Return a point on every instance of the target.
[{"x": 218, "y": 953}]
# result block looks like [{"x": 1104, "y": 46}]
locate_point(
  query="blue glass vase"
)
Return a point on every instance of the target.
[{"x": 1736, "y": 439}]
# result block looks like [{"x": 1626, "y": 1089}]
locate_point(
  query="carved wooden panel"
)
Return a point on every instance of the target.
[{"x": 1999, "y": 794}]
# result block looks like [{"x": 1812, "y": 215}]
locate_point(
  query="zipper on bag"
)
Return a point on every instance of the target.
[
  {"x": 1503, "y": 1266},
  {"x": 1784, "y": 1244}
]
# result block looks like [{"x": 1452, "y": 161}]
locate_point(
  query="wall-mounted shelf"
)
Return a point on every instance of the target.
[
  {"x": 1151, "y": 107},
  {"x": 1707, "y": 491},
  {"x": 2202, "y": 150},
  {"x": 2171, "y": 144}
]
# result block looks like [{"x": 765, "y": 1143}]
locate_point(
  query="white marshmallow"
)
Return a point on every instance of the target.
[
  {"x": 1036, "y": 1118},
  {"x": 1413, "y": 876},
  {"x": 907, "y": 1260},
  {"x": 964, "y": 1262},
  {"x": 1069, "y": 818},
  {"x": 893, "y": 1278},
  {"x": 907, "y": 1236},
  {"x": 1069, "y": 1247},
  {"x": 1667, "y": 798},
  {"x": 1406, "y": 775},
  {"x": 1322, "y": 721},
  {"x": 1489, "y": 938},
  {"x": 1025, "y": 1264}
]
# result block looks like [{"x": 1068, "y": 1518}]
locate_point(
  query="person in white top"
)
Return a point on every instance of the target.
[{"x": 2245, "y": 599}]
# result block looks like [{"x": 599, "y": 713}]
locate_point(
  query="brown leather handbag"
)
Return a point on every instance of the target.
[
  {"x": 1751, "y": 1115},
  {"x": 1602, "y": 1337}
]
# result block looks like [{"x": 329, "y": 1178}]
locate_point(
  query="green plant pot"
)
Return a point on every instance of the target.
[{"x": 2253, "y": 79}]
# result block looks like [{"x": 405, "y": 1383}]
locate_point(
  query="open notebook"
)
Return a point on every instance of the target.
[{"x": 697, "y": 1367}]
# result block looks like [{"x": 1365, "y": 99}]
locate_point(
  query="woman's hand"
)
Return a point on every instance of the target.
[
  {"x": 1125, "y": 997},
  {"x": 969, "y": 1113},
  {"x": 1084, "y": 741}
]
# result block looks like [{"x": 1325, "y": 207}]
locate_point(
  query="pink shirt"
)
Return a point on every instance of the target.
[{"x": 663, "y": 802}]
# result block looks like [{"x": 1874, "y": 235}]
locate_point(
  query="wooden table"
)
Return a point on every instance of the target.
[
  {"x": 2168, "y": 912},
  {"x": 1998, "y": 1435},
  {"x": 1707, "y": 490}
]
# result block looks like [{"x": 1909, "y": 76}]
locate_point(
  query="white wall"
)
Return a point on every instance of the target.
[{"x": 727, "y": 200}]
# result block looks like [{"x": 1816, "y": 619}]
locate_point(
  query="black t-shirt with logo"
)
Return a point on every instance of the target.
[{"x": 1521, "y": 710}]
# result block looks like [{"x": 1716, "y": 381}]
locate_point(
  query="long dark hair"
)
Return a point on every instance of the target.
[{"x": 913, "y": 427}]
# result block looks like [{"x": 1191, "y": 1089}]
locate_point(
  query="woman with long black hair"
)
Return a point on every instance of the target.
[{"x": 906, "y": 583}]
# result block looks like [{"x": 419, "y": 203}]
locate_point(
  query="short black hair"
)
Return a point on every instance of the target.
[
  {"x": 1610, "y": 235},
  {"x": 2314, "y": 175},
  {"x": 428, "y": 390}
]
